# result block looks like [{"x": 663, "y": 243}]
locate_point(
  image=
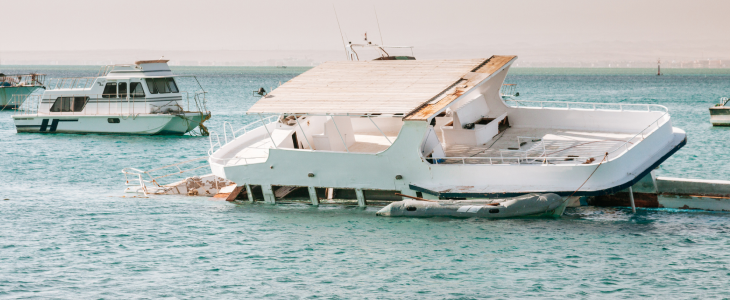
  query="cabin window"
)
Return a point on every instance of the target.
[
  {"x": 69, "y": 104},
  {"x": 151, "y": 85},
  {"x": 136, "y": 90},
  {"x": 171, "y": 84},
  {"x": 122, "y": 90},
  {"x": 162, "y": 85},
  {"x": 110, "y": 90}
]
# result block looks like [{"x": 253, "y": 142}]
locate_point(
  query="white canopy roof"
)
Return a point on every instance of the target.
[{"x": 366, "y": 87}]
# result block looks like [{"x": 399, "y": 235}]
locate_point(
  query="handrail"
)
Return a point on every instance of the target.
[
  {"x": 593, "y": 104},
  {"x": 73, "y": 83},
  {"x": 625, "y": 145},
  {"x": 577, "y": 160},
  {"x": 98, "y": 104},
  {"x": 31, "y": 79},
  {"x": 139, "y": 174}
]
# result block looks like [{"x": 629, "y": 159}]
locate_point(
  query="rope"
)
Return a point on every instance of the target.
[{"x": 589, "y": 177}]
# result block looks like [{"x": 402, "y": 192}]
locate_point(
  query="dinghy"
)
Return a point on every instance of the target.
[{"x": 527, "y": 205}]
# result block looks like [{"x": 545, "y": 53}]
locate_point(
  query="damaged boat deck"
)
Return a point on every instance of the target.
[{"x": 534, "y": 144}]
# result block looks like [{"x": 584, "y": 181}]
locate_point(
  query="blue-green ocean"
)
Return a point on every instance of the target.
[{"x": 68, "y": 231}]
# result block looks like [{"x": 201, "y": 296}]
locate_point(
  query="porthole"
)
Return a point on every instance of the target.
[
  {"x": 494, "y": 211},
  {"x": 113, "y": 120},
  {"x": 411, "y": 208}
]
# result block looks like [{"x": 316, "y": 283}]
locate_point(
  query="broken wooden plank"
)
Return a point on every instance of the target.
[
  {"x": 466, "y": 83},
  {"x": 281, "y": 192}
]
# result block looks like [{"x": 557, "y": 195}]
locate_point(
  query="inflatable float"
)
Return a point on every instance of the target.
[{"x": 527, "y": 205}]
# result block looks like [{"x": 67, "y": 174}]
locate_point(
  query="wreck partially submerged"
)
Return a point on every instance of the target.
[{"x": 437, "y": 129}]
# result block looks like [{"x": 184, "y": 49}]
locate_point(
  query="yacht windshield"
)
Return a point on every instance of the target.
[{"x": 162, "y": 85}]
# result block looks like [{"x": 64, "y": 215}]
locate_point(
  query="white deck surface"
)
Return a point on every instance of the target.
[
  {"x": 541, "y": 142},
  {"x": 370, "y": 143},
  {"x": 346, "y": 87}
]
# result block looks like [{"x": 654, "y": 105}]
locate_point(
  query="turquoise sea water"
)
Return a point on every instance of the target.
[{"x": 67, "y": 232}]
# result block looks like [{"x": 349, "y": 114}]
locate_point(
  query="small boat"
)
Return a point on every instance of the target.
[
  {"x": 523, "y": 206},
  {"x": 720, "y": 113},
  {"x": 15, "y": 88},
  {"x": 377, "y": 52},
  {"x": 140, "y": 98}
]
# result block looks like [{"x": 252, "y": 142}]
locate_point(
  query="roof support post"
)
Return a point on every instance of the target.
[
  {"x": 338, "y": 132},
  {"x": 381, "y": 132},
  {"x": 267, "y": 131},
  {"x": 304, "y": 133}
]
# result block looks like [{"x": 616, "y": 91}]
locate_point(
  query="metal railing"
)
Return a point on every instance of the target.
[
  {"x": 509, "y": 160},
  {"x": 626, "y": 145},
  {"x": 98, "y": 104},
  {"x": 587, "y": 105},
  {"x": 604, "y": 106},
  {"x": 142, "y": 178},
  {"x": 13, "y": 80},
  {"x": 215, "y": 142},
  {"x": 71, "y": 83},
  {"x": 509, "y": 90},
  {"x": 245, "y": 128}
]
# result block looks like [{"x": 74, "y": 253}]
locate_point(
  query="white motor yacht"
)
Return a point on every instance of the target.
[
  {"x": 139, "y": 98},
  {"x": 437, "y": 129}
]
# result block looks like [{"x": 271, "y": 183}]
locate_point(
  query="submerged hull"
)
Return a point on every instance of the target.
[
  {"x": 720, "y": 116},
  {"x": 400, "y": 168},
  {"x": 152, "y": 124},
  {"x": 6, "y": 95}
]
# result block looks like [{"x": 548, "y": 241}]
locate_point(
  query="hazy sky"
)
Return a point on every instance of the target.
[{"x": 530, "y": 27}]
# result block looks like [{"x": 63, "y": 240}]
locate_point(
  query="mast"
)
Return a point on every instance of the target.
[{"x": 658, "y": 67}]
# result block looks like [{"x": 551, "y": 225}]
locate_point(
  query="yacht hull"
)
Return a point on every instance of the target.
[
  {"x": 6, "y": 95},
  {"x": 720, "y": 116},
  {"x": 152, "y": 124},
  {"x": 400, "y": 168}
]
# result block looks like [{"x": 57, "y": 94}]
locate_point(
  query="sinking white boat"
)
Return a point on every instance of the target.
[
  {"x": 15, "y": 88},
  {"x": 139, "y": 98},
  {"x": 437, "y": 129},
  {"x": 523, "y": 206}
]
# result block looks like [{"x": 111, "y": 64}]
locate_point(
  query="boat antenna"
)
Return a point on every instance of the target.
[
  {"x": 340, "y": 27},
  {"x": 378, "y": 21}
]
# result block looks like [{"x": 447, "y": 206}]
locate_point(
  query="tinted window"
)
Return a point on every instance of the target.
[
  {"x": 171, "y": 84},
  {"x": 69, "y": 104},
  {"x": 162, "y": 86},
  {"x": 110, "y": 90},
  {"x": 122, "y": 90},
  {"x": 151, "y": 85},
  {"x": 136, "y": 90},
  {"x": 79, "y": 103}
]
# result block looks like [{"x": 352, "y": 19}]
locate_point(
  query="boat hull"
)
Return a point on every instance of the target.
[
  {"x": 152, "y": 124},
  {"x": 720, "y": 116},
  {"x": 400, "y": 168},
  {"x": 6, "y": 95}
]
